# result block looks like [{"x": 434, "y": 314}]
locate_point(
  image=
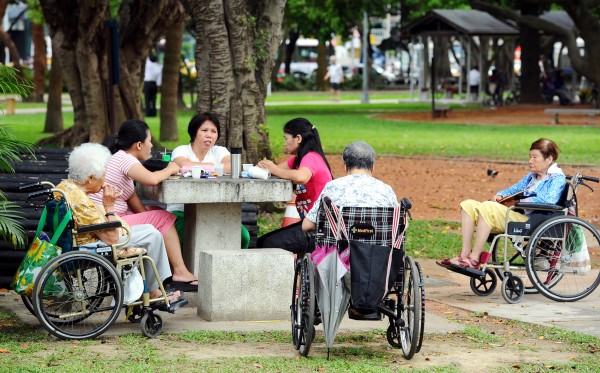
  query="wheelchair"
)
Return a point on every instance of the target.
[
  {"x": 80, "y": 293},
  {"x": 401, "y": 298},
  {"x": 557, "y": 250}
]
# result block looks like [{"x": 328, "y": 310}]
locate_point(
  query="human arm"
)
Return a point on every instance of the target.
[
  {"x": 549, "y": 191},
  {"x": 135, "y": 203},
  {"x": 142, "y": 175},
  {"x": 109, "y": 196},
  {"x": 308, "y": 225},
  {"x": 300, "y": 176},
  {"x": 515, "y": 188}
]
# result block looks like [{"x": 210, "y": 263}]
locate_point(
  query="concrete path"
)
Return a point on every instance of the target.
[{"x": 440, "y": 286}]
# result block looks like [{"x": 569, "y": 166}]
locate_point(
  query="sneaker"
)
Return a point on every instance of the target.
[{"x": 541, "y": 264}]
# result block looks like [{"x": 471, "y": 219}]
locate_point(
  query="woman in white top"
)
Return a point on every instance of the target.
[{"x": 202, "y": 150}]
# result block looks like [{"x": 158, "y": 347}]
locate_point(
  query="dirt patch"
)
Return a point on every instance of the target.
[
  {"x": 528, "y": 115},
  {"x": 437, "y": 186}
]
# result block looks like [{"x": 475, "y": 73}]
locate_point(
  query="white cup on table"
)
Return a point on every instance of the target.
[
  {"x": 196, "y": 172},
  {"x": 246, "y": 166},
  {"x": 219, "y": 168}
]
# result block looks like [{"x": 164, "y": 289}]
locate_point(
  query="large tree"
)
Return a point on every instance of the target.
[
  {"x": 81, "y": 37},
  {"x": 586, "y": 17},
  {"x": 235, "y": 47}
]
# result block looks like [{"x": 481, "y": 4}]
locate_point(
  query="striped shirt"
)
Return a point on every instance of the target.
[{"x": 116, "y": 174}]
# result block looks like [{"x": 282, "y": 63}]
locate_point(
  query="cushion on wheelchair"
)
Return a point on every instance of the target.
[
  {"x": 131, "y": 252},
  {"x": 526, "y": 228}
]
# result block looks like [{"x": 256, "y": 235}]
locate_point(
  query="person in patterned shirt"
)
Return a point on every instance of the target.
[
  {"x": 87, "y": 175},
  {"x": 358, "y": 188}
]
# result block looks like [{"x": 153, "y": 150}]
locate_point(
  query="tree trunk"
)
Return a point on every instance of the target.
[
  {"x": 54, "y": 118},
  {"x": 5, "y": 39},
  {"x": 169, "y": 87},
  {"x": 321, "y": 66},
  {"x": 235, "y": 46},
  {"x": 530, "y": 54},
  {"x": 39, "y": 62},
  {"x": 80, "y": 32}
]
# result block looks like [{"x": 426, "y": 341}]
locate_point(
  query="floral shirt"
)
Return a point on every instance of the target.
[
  {"x": 85, "y": 211},
  {"x": 359, "y": 190}
]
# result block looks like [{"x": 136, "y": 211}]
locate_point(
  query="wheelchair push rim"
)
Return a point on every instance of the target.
[{"x": 82, "y": 290}]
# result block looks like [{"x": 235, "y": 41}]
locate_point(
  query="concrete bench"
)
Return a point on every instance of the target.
[
  {"x": 554, "y": 113},
  {"x": 441, "y": 111}
]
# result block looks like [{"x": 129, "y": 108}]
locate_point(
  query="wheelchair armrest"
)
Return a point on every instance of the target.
[
  {"x": 538, "y": 206},
  {"x": 98, "y": 227},
  {"x": 311, "y": 237}
]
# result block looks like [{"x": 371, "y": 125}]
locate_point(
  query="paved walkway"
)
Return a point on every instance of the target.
[{"x": 440, "y": 286}]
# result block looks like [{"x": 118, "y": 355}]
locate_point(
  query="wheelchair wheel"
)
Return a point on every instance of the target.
[
  {"x": 405, "y": 332},
  {"x": 512, "y": 288},
  {"x": 303, "y": 306},
  {"x": 562, "y": 258},
  {"x": 484, "y": 286},
  {"x": 516, "y": 262},
  {"x": 151, "y": 324},
  {"x": 422, "y": 288},
  {"x": 78, "y": 295},
  {"x": 26, "y": 299}
]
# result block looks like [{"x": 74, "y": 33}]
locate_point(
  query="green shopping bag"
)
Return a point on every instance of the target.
[
  {"x": 576, "y": 256},
  {"x": 39, "y": 254}
]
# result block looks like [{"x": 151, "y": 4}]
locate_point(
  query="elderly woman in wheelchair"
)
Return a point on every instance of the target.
[
  {"x": 540, "y": 232},
  {"x": 79, "y": 294},
  {"x": 543, "y": 184}
]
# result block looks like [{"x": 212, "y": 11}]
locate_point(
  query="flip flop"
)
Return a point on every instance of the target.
[
  {"x": 185, "y": 286},
  {"x": 448, "y": 261}
]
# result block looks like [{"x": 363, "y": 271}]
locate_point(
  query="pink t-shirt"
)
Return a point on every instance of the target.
[
  {"x": 307, "y": 194},
  {"x": 116, "y": 174}
]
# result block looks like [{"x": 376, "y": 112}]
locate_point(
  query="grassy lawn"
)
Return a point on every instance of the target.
[{"x": 340, "y": 124}]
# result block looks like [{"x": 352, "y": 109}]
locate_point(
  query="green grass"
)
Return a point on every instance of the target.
[{"x": 340, "y": 124}]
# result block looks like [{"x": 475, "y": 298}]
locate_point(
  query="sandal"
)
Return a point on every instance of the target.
[
  {"x": 468, "y": 262},
  {"x": 448, "y": 261}
]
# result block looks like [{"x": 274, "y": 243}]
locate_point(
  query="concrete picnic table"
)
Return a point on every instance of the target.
[{"x": 234, "y": 284}]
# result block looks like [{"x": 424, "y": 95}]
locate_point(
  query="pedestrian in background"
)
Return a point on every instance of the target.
[
  {"x": 152, "y": 82},
  {"x": 335, "y": 75}
]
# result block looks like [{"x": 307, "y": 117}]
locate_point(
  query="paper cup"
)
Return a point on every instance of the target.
[
  {"x": 246, "y": 166},
  {"x": 219, "y": 169},
  {"x": 196, "y": 172}
]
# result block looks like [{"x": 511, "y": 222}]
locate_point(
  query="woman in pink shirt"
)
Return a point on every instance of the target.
[
  {"x": 130, "y": 147},
  {"x": 309, "y": 170}
]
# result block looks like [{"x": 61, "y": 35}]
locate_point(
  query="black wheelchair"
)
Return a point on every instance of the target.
[
  {"x": 80, "y": 293},
  {"x": 391, "y": 281},
  {"x": 558, "y": 251}
]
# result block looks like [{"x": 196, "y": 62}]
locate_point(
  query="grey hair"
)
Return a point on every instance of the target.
[
  {"x": 87, "y": 160},
  {"x": 359, "y": 155}
]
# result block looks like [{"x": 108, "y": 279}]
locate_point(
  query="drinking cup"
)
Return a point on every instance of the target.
[
  {"x": 246, "y": 166},
  {"x": 196, "y": 172},
  {"x": 219, "y": 169}
]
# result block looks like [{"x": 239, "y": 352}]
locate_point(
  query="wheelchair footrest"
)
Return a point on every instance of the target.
[
  {"x": 173, "y": 306},
  {"x": 471, "y": 272}
]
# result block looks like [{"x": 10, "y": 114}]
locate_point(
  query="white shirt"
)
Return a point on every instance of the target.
[
  {"x": 474, "y": 77},
  {"x": 335, "y": 73},
  {"x": 153, "y": 72},
  {"x": 214, "y": 155}
]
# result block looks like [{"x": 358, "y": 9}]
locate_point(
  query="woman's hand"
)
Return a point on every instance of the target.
[
  {"x": 497, "y": 198},
  {"x": 173, "y": 168},
  {"x": 110, "y": 195},
  {"x": 268, "y": 165}
]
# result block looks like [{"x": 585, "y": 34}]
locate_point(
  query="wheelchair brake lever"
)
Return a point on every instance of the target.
[{"x": 586, "y": 185}]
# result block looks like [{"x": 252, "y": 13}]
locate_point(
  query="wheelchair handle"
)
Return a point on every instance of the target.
[
  {"x": 35, "y": 186},
  {"x": 584, "y": 177},
  {"x": 46, "y": 192}
]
